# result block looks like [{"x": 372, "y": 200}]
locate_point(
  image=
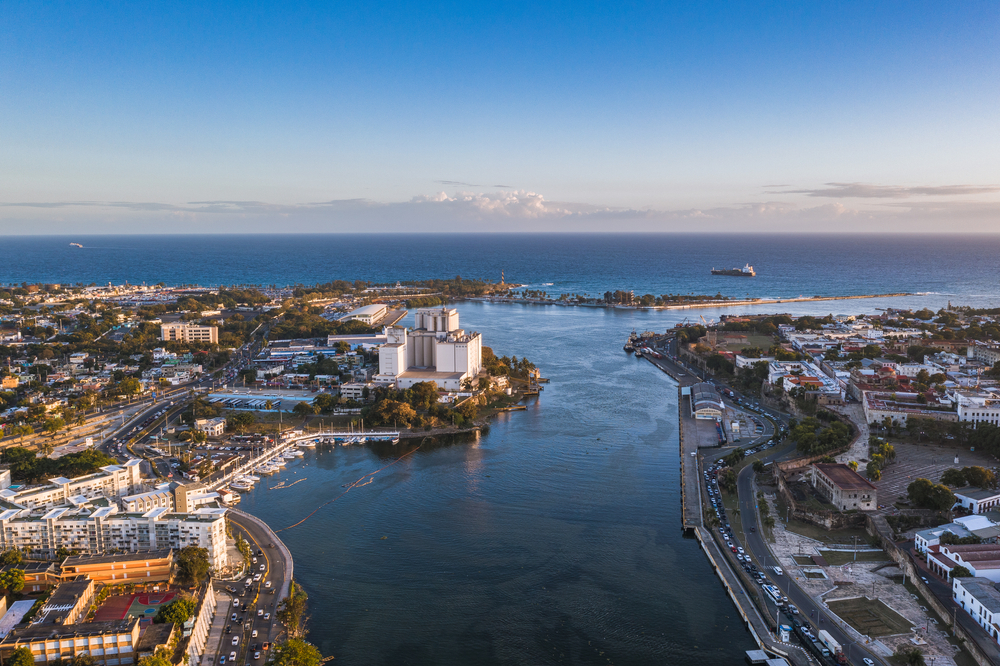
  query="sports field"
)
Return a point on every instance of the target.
[
  {"x": 140, "y": 605},
  {"x": 870, "y": 616}
]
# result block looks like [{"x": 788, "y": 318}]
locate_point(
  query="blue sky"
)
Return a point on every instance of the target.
[{"x": 145, "y": 117}]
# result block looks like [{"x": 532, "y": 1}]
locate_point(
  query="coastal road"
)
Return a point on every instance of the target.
[
  {"x": 810, "y": 610},
  {"x": 259, "y": 600}
]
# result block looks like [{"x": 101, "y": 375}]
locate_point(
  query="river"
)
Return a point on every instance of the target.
[{"x": 554, "y": 539}]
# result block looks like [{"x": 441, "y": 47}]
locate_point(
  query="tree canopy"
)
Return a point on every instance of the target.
[
  {"x": 192, "y": 564},
  {"x": 929, "y": 495},
  {"x": 177, "y": 611},
  {"x": 26, "y": 466},
  {"x": 297, "y": 652}
]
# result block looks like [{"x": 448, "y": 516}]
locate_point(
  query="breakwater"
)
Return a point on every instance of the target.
[{"x": 715, "y": 303}]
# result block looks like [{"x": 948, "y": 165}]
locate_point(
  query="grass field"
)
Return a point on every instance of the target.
[
  {"x": 803, "y": 560},
  {"x": 837, "y": 557},
  {"x": 870, "y": 617}
]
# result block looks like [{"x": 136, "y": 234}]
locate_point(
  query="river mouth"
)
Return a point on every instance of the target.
[{"x": 555, "y": 538}]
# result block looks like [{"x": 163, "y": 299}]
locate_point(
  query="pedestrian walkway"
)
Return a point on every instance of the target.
[{"x": 224, "y": 604}]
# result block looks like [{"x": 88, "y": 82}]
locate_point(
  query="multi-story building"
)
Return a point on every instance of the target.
[
  {"x": 211, "y": 427},
  {"x": 843, "y": 487},
  {"x": 979, "y": 598},
  {"x": 988, "y": 354},
  {"x": 184, "y": 332},
  {"x": 144, "y": 566},
  {"x": 980, "y": 407},
  {"x": 98, "y": 528},
  {"x": 435, "y": 350},
  {"x": 110, "y": 481}
]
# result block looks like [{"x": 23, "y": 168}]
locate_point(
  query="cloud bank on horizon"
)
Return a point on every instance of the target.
[{"x": 518, "y": 211}]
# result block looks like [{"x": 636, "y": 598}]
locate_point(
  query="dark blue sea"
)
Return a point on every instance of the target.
[
  {"x": 556, "y": 538},
  {"x": 964, "y": 267}
]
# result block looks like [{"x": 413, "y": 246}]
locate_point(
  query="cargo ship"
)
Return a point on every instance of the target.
[{"x": 746, "y": 271}]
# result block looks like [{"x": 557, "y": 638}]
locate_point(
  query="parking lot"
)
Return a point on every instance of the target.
[{"x": 927, "y": 461}]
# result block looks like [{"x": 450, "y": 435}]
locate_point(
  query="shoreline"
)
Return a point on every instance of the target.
[{"x": 683, "y": 306}]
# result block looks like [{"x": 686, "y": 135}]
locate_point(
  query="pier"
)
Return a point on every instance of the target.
[{"x": 324, "y": 436}]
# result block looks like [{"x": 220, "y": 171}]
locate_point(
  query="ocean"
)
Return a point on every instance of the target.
[
  {"x": 958, "y": 267},
  {"x": 556, "y": 538}
]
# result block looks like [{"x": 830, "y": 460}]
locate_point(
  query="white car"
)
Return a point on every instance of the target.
[
  {"x": 263, "y": 568},
  {"x": 260, "y": 611},
  {"x": 254, "y": 634},
  {"x": 267, "y": 584}
]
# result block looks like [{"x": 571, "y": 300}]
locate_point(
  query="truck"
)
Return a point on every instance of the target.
[{"x": 836, "y": 652}]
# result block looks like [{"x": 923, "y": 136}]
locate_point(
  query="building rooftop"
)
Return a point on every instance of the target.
[
  {"x": 977, "y": 493},
  {"x": 844, "y": 477},
  {"x": 36, "y": 631},
  {"x": 140, "y": 555},
  {"x": 983, "y": 590},
  {"x": 704, "y": 393}
]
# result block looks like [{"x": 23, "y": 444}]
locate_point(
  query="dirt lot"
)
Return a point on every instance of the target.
[{"x": 870, "y": 617}]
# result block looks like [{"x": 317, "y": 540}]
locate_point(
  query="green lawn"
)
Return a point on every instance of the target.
[{"x": 837, "y": 557}]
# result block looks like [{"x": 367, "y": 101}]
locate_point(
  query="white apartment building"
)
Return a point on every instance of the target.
[
  {"x": 988, "y": 354},
  {"x": 111, "y": 481},
  {"x": 980, "y": 599},
  {"x": 979, "y": 408},
  {"x": 184, "y": 332},
  {"x": 93, "y": 531}
]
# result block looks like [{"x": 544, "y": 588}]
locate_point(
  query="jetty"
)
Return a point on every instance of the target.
[{"x": 710, "y": 303}]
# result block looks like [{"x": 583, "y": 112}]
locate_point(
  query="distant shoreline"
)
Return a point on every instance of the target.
[{"x": 683, "y": 306}]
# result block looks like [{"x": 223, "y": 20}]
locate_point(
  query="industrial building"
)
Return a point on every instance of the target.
[
  {"x": 436, "y": 350},
  {"x": 706, "y": 403}
]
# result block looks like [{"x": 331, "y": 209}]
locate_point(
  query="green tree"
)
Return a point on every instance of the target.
[
  {"x": 422, "y": 395},
  {"x": 758, "y": 466},
  {"x": 388, "y": 412},
  {"x": 242, "y": 420},
  {"x": 325, "y": 402},
  {"x": 928, "y": 495},
  {"x": 129, "y": 386},
  {"x": 960, "y": 572},
  {"x": 12, "y": 580},
  {"x": 980, "y": 477},
  {"x": 295, "y": 652},
  {"x": 192, "y": 564},
  {"x": 11, "y": 557},
  {"x": 21, "y": 657},
  {"x": 154, "y": 660},
  {"x": 303, "y": 409},
  {"x": 953, "y": 477},
  {"x": 177, "y": 611},
  {"x": 727, "y": 480},
  {"x": 292, "y": 613}
]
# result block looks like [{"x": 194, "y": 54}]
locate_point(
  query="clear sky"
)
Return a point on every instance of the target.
[{"x": 249, "y": 116}]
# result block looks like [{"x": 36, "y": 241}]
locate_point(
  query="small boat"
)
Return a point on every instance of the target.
[
  {"x": 251, "y": 477},
  {"x": 278, "y": 462},
  {"x": 308, "y": 444},
  {"x": 75, "y": 245},
  {"x": 241, "y": 485}
]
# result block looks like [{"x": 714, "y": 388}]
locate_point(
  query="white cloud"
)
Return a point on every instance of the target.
[{"x": 516, "y": 210}]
